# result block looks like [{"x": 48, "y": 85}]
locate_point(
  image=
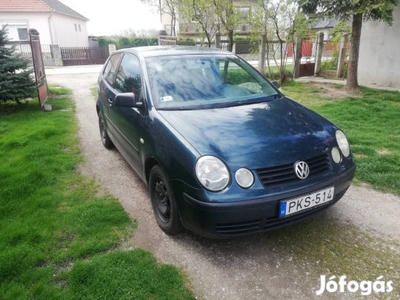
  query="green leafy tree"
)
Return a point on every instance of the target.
[
  {"x": 228, "y": 17},
  {"x": 16, "y": 82},
  {"x": 341, "y": 27},
  {"x": 203, "y": 14},
  {"x": 277, "y": 22},
  {"x": 356, "y": 11},
  {"x": 283, "y": 25}
]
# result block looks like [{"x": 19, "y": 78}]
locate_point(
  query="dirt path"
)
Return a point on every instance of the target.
[{"x": 246, "y": 268}]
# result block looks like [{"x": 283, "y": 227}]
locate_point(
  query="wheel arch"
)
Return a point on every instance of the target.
[
  {"x": 149, "y": 164},
  {"x": 97, "y": 109}
]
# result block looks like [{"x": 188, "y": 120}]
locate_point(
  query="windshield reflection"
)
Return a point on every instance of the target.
[{"x": 192, "y": 82}]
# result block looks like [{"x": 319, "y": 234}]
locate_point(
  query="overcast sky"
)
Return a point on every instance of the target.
[{"x": 115, "y": 16}]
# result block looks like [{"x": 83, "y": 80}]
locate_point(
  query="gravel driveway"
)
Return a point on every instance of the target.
[{"x": 255, "y": 267}]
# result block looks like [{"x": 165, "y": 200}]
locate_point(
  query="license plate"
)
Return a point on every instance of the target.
[{"x": 299, "y": 204}]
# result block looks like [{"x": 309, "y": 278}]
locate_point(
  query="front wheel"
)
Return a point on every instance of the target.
[
  {"x": 163, "y": 202},
  {"x": 105, "y": 139}
]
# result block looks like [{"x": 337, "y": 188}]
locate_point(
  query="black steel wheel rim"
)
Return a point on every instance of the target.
[
  {"x": 162, "y": 202},
  {"x": 102, "y": 129}
]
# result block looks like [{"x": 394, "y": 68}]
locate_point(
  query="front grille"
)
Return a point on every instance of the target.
[
  {"x": 238, "y": 229},
  {"x": 285, "y": 174}
]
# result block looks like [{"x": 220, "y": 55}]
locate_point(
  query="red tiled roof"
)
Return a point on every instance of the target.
[
  {"x": 23, "y": 5},
  {"x": 38, "y": 6}
]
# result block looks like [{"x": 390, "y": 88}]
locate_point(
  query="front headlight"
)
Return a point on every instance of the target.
[
  {"x": 343, "y": 143},
  {"x": 337, "y": 158},
  {"x": 212, "y": 173},
  {"x": 244, "y": 178}
]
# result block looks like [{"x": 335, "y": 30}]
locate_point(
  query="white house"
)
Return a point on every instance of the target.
[
  {"x": 56, "y": 23},
  {"x": 379, "y": 60}
]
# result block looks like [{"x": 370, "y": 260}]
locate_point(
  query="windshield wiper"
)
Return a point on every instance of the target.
[
  {"x": 257, "y": 100},
  {"x": 226, "y": 104}
]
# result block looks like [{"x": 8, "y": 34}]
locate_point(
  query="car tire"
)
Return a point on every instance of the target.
[
  {"x": 105, "y": 139},
  {"x": 163, "y": 202}
]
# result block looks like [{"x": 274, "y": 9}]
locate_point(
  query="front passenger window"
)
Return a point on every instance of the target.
[{"x": 128, "y": 77}]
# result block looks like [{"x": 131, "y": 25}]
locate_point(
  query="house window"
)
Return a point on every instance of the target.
[
  {"x": 244, "y": 12},
  {"x": 79, "y": 26},
  {"x": 16, "y": 30},
  {"x": 76, "y": 27},
  {"x": 23, "y": 34}
]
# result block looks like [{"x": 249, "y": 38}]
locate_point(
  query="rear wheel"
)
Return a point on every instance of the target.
[
  {"x": 103, "y": 133},
  {"x": 163, "y": 202}
]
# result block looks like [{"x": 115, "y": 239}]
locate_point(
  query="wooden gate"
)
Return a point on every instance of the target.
[
  {"x": 306, "y": 49},
  {"x": 72, "y": 56},
  {"x": 38, "y": 66}
]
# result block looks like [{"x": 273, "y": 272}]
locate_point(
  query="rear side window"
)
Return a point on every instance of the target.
[
  {"x": 111, "y": 68},
  {"x": 128, "y": 78}
]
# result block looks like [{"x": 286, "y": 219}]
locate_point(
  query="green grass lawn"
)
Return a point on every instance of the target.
[
  {"x": 371, "y": 121},
  {"x": 59, "y": 234}
]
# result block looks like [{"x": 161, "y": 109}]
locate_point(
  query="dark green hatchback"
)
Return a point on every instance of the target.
[{"x": 222, "y": 150}]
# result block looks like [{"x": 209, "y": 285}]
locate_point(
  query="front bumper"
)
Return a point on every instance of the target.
[{"x": 221, "y": 220}]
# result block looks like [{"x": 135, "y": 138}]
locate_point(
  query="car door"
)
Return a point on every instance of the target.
[
  {"x": 106, "y": 92},
  {"x": 127, "y": 121}
]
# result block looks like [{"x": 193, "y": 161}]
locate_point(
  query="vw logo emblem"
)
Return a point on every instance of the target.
[{"x": 302, "y": 170}]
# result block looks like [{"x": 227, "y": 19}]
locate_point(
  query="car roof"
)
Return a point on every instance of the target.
[{"x": 149, "y": 51}]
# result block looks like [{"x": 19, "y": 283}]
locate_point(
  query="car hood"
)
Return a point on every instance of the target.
[{"x": 254, "y": 135}]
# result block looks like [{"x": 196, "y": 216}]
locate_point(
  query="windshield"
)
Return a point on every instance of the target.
[{"x": 192, "y": 82}]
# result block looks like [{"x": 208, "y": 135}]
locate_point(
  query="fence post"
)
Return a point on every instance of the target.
[
  {"x": 297, "y": 48},
  {"x": 320, "y": 49},
  {"x": 38, "y": 67},
  {"x": 56, "y": 55},
  {"x": 342, "y": 55},
  {"x": 112, "y": 48},
  {"x": 161, "y": 34},
  {"x": 217, "y": 40}
]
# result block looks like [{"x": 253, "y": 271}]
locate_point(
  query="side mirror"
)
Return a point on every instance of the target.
[{"x": 127, "y": 100}]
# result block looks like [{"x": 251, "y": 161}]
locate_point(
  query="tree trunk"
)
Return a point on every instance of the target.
[
  {"x": 342, "y": 55},
  {"x": 209, "y": 41},
  {"x": 320, "y": 50},
  {"x": 352, "y": 76},
  {"x": 230, "y": 40},
  {"x": 297, "y": 47},
  {"x": 173, "y": 24},
  {"x": 261, "y": 62},
  {"x": 282, "y": 65},
  {"x": 269, "y": 67}
]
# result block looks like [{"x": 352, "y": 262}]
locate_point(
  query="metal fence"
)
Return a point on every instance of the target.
[
  {"x": 167, "y": 40},
  {"x": 24, "y": 49},
  {"x": 246, "y": 47},
  {"x": 84, "y": 55}
]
